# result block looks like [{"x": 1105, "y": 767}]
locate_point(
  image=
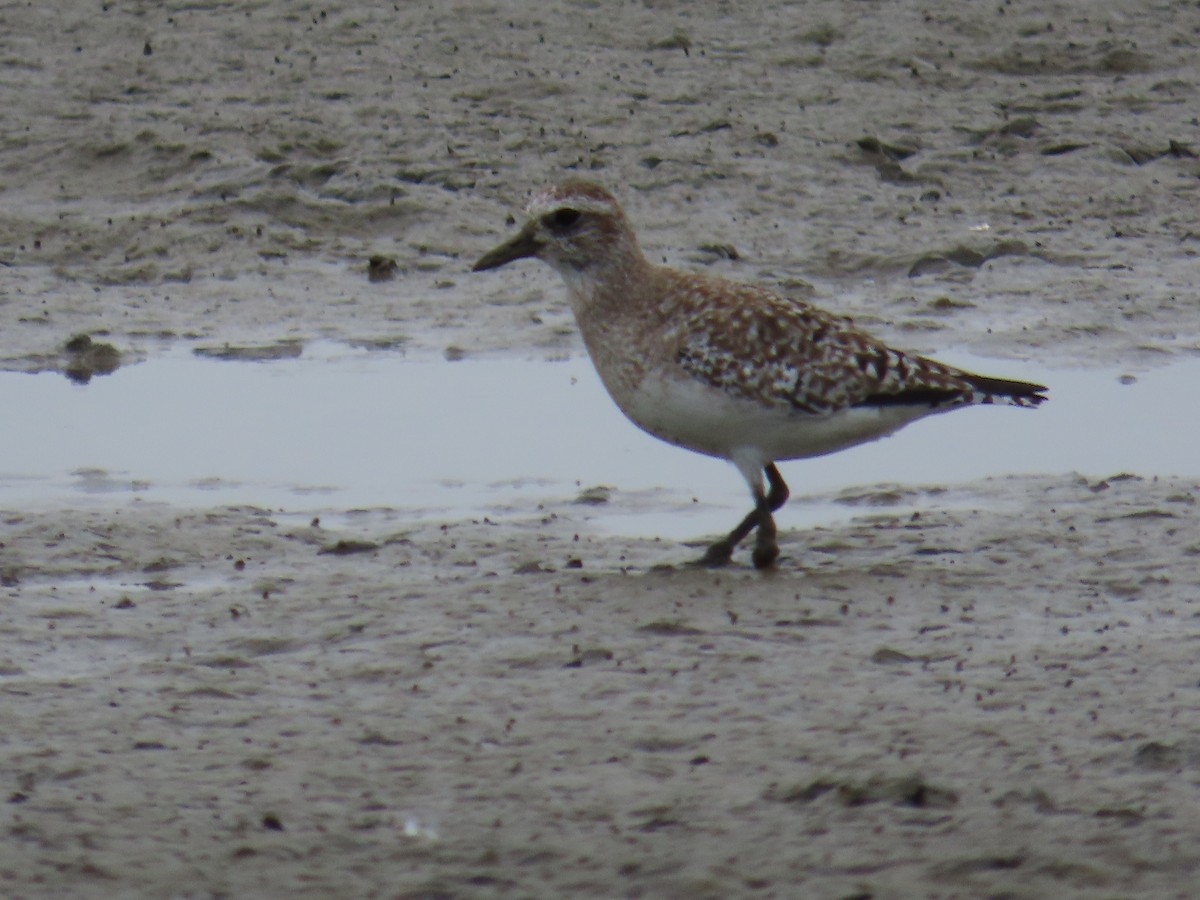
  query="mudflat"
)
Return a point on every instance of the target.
[{"x": 995, "y": 697}]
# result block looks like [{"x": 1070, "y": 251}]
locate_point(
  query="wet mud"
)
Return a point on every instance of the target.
[{"x": 992, "y": 695}]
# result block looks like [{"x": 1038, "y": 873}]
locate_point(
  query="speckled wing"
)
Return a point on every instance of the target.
[{"x": 788, "y": 354}]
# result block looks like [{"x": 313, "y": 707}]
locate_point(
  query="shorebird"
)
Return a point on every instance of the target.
[{"x": 729, "y": 369}]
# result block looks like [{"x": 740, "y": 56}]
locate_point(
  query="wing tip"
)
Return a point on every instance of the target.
[{"x": 1021, "y": 393}]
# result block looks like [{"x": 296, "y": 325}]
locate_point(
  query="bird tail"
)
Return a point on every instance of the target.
[{"x": 1003, "y": 390}]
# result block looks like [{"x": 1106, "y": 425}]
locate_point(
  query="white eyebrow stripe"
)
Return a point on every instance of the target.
[{"x": 549, "y": 200}]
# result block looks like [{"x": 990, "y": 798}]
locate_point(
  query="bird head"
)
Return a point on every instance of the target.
[{"x": 573, "y": 226}]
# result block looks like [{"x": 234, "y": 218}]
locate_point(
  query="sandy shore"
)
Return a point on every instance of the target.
[
  {"x": 1033, "y": 168},
  {"x": 978, "y": 703},
  {"x": 994, "y": 699}
]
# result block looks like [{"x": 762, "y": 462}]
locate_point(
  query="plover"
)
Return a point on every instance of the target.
[{"x": 729, "y": 369}]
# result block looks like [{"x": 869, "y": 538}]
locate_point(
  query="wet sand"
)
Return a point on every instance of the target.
[
  {"x": 992, "y": 699},
  {"x": 971, "y": 703}
]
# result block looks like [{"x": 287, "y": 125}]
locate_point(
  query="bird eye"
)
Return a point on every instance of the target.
[{"x": 561, "y": 219}]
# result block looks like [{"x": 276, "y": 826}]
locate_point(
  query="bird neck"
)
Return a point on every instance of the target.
[{"x": 607, "y": 289}]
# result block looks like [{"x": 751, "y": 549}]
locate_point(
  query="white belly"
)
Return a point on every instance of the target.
[{"x": 691, "y": 414}]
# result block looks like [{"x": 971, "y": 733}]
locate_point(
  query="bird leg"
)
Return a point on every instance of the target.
[{"x": 766, "y": 550}]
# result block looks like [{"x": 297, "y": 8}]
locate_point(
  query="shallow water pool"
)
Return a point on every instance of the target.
[{"x": 338, "y": 428}]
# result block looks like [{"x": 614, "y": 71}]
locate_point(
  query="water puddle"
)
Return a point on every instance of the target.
[{"x": 338, "y": 428}]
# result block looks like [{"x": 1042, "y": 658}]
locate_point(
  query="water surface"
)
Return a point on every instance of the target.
[{"x": 338, "y": 428}]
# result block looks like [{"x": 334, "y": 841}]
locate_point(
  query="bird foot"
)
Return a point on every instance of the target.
[
  {"x": 764, "y": 555},
  {"x": 721, "y": 553},
  {"x": 716, "y": 556}
]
